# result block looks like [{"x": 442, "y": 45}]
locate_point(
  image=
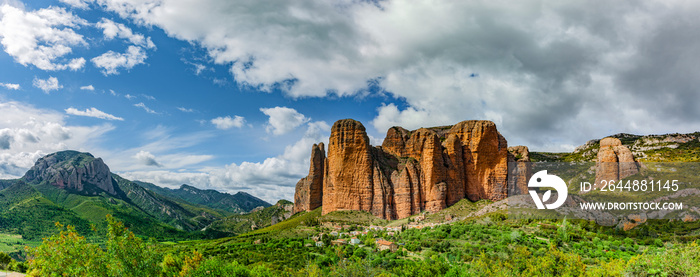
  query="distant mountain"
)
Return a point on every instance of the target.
[
  {"x": 238, "y": 203},
  {"x": 257, "y": 219},
  {"x": 78, "y": 189}
]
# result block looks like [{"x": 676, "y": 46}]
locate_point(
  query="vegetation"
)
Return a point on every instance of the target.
[
  {"x": 239, "y": 224},
  {"x": 476, "y": 247},
  {"x": 231, "y": 203}
]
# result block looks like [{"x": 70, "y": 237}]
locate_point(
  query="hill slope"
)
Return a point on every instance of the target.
[
  {"x": 240, "y": 202},
  {"x": 78, "y": 189}
]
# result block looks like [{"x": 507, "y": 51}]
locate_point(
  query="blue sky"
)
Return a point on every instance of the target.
[{"x": 231, "y": 95}]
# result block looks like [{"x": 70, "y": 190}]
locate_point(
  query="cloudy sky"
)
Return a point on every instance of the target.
[{"x": 230, "y": 94}]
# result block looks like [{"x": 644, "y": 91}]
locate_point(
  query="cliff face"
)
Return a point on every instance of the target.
[
  {"x": 426, "y": 169},
  {"x": 615, "y": 161},
  {"x": 74, "y": 171},
  {"x": 309, "y": 190},
  {"x": 519, "y": 169}
]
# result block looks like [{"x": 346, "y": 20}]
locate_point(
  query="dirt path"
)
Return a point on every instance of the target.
[{"x": 10, "y": 274}]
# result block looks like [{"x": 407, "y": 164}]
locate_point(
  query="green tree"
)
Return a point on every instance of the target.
[
  {"x": 67, "y": 254},
  {"x": 128, "y": 254},
  {"x": 4, "y": 260}
]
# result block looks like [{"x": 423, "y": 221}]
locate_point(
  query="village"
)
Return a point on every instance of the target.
[{"x": 379, "y": 237}]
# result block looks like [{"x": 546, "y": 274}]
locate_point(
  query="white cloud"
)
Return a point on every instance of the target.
[
  {"x": 147, "y": 158},
  {"x": 550, "y": 72},
  {"x": 225, "y": 123},
  {"x": 185, "y": 110},
  {"x": 283, "y": 120},
  {"x": 129, "y": 96},
  {"x": 10, "y": 86},
  {"x": 80, "y": 4},
  {"x": 41, "y": 38},
  {"x": 28, "y": 133},
  {"x": 88, "y": 87},
  {"x": 145, "y": 108},
  {"x": 111, "y": 61},
  {"x": 272, "y": 179},
  {"x": 149, "y": 97},
  {"x": 47, "y": 85},
  {"x": 93, "y": 112},
  {"x": 112, "y": 30}
]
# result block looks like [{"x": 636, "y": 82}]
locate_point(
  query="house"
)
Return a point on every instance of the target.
[
  {"x": 339, "y": 242},
  {"x": 334, "y": 233},
  {"x": 319, "y": 244},
  {"x": 354, "y": 240},
  {"x": 386, "y": 245}
]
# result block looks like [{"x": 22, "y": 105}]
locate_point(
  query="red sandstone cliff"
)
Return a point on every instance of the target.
[
  {"x": 426, "y": 169},
  {"x": 615, "y": 161},
  {"x": 309, "y": 190}
]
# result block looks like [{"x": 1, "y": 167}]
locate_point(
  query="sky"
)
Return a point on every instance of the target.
[{"x": 231, "y": 94}]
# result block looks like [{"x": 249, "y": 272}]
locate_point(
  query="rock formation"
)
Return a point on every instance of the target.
[
  {"x": 615, "y": 161},
  {"x": 74, "y": 171},
  {"x": 309, "y": 190},
  {"x": 413, "y": 171},
  {"x": 519, "y": 169}
]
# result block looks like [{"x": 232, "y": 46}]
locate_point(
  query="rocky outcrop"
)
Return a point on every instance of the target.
[
  {"x": 73, "y": 170},
  {"x": 309, "y": 190},
  {"x": 413, "y": 171},
  {"x": 519, "y": 169},
  {"x": 615, "y": 161}
]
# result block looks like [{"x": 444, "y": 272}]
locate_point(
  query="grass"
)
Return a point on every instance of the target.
[{"x": 11, "y": 243}]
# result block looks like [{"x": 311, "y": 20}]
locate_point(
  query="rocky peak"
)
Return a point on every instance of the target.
[
  {"x": 309, "y": 190},
  {"x": 615, "y": 161},
  {"x": 72, "y": 170},
  {"x": 519, "y": 169},
  {"x": 520, "y": 153},
  {"x": 413, "y": 171}
]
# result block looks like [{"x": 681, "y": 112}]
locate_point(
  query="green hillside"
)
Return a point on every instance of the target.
[
  {"x": 239, "y": 224},
  {"x": 240, "y": 202},
  {"x": 24, "y": 211},
  {"x": 30, "y": 209}
]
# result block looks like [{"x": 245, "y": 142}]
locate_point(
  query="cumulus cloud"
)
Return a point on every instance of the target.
[
  {"x": 112, "y": 30},
  {"x": 551, "y": 73},
  {"x": 93, "y": 112},
  {"x": 47, "y": 85},
  {"x": 225, "y": 123},
  {"x": 88, "y": 87},
  {"x": 111, "y": 62},
  {"x": 41, "y": 38},
  {"x": 147, "y": 158},
  {"x": 272, "y": 179},
  {"x": 28, "y": 133},
  {"x": 145, "y": 108},
  {"x": 283, "y": 120},
  {"x": 10, "y": 86}
]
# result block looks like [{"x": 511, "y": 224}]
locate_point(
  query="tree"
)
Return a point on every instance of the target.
[
  {"x": 128, "y": 254},
  {"x": 4, "y": 260},
  {"x": 69, "y": 254}
]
